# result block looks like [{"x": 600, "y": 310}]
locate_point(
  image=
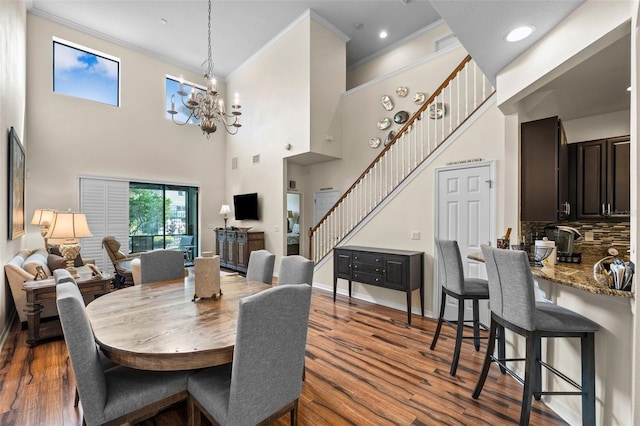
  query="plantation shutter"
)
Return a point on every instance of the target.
[{"x": 106, "y": 204}]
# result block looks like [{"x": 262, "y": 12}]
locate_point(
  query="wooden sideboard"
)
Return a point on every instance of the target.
[
  {"x": 235, "y": 246},
  {"x": 394, "y": 269}
]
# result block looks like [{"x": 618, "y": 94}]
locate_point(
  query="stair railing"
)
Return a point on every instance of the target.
[{"x": 457, "y": 98}]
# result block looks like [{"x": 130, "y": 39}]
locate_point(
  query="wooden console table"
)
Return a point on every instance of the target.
[
  {"x": 42, "y": 291},
  {"x": 235, "y": 246},
  {"x": 394, "y": 269}
]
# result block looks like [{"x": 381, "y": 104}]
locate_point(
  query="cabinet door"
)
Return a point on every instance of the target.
[
  {"x": 242, "y": 261},
  {"x": 395, "y": 268},
  {"x": 591, "y": 179},
  {"x": 221, "y": 247},
  {"x": 232, "y": 250},
  {"x": 618, "y": 176},
  {"x": 342, "y": 264},
  {"x": 539, "y": 158}
]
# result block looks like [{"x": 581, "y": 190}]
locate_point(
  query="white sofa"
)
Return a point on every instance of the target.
[{"x": 21, "y": 268}]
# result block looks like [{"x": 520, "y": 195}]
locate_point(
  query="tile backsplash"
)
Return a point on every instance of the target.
[{"x": 605, "y": 234}]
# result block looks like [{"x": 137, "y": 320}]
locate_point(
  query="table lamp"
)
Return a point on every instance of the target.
[
  {"x": 43, "y": 219},
  {"x": 69, "y": 226},
  {"x": 225, "y": 209}
]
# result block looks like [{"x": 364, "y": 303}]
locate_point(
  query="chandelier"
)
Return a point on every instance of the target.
[{"x": 207, "y": 107}]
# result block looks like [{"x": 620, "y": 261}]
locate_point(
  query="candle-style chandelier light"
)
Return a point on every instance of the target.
[{"x": 207, "y": 107}]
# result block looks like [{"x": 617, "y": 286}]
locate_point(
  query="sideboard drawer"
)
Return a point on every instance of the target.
[
  {"x": 363, "y": 277},
  {"x": 367, "y": 267},
  {"x": 373, "y": 259}
]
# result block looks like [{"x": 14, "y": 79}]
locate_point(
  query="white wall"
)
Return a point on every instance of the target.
[
  {"x": 327, "y": 83},
  {"x": 72, "y": 137},
  {"x": 405, "y": 52},
  {"x": 276, "y": 102},
  {"x": 13, "y": 57},
  {"x": 597, "y": 127}
]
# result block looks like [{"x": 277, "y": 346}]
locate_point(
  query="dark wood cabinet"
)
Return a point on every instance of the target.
[
  {"x": 394, "y": 269},
  {"x": 544, "y": 171},
  {"x": 603, "y": 178},
  {"x": 235, "y": 246}
]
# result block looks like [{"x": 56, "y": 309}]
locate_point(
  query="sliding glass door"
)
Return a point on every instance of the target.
[{"x": 163, "y": 216}]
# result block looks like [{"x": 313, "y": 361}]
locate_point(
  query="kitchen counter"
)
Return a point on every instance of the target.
[{"x": 576, "y": 275}]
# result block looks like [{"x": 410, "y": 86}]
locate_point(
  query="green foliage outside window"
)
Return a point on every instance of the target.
[{"x": 146, "y": 211}]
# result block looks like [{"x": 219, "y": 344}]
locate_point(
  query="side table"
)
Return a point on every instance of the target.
[{"x": 42, "y": 291}]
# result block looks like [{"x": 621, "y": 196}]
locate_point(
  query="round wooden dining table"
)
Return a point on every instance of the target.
[{"x": 159, "y": 327}]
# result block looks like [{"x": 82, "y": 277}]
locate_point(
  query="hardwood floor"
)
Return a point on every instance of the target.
[{"x": 364, "y": 366}]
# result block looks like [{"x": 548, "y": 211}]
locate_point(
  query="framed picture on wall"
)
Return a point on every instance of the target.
[{"x": 16, "y": 186}]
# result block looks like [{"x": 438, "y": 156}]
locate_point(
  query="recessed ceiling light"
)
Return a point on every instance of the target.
[
  {"x": 163, "y": 21},
  {"x": 520, "y": 33},
  {"x": 383, "y": 34}
]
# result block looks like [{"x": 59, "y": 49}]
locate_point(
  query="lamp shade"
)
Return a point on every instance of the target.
[
  {"x": 42, "y": 217},
  {"x": 69, "y": 225},
  {"x": 225, "y": 209}
]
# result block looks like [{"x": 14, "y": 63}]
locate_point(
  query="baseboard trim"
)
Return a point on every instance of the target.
[{"x": 7, "y": 328}]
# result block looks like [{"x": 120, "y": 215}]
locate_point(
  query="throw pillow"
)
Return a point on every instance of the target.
[
  {"x": 56, "y": 262},
  {"x": 55, "y": 249}
]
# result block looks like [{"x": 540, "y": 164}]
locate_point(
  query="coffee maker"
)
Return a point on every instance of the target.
[{"x": 565, "y": 237}]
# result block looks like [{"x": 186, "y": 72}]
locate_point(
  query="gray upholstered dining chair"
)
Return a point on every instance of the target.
[
  {"x": 260, "y": 266},
  {"x": 119, "y": 394},
  {"x": 64, "y": 276},
  {"x": 454, "y": 284},
  {"x": 264, "y": 380},
  {"x": 158, "y": 265},
  {"x": 295, "y": 269},
  {"x": 513, "y": 306}
]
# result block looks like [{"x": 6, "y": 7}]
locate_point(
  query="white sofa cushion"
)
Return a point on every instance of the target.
[{"x": 37, "y": 258}]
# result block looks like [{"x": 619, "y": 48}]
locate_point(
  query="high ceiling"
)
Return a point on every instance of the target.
[
  {"x": 239, "y": 27},
  {"x": 242, "y": 27}
]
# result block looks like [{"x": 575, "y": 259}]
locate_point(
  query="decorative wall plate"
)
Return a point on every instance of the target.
[
  {"x": 419, "y": 98},
  {"x": 402, "y": 91},
  {"x": 387, "y": 103},
  {"x": 374, "y": 142},
  {"x": 390, "y": 136},
  {"x": 437, "y": 110},
  {"x": 384, "y": 123},
  {"x": 401, "y": 117}
]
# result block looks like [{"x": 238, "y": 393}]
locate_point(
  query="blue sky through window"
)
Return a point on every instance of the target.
[
  {"x": 172, "y": 87},
  {"x": 85, "y": 75}
]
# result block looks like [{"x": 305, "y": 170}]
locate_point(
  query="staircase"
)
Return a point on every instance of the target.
[{"x": 458, "y": 97}]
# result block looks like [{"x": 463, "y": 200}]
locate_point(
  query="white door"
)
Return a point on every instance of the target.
[
  {"x": 465, "y": 213},
  {"x": 322, "y": 202}
]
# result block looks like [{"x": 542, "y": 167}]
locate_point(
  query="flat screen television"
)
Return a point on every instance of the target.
[{"x": 246, "y": 206}]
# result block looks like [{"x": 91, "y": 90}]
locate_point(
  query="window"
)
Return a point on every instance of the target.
[
  {"x": 172, "y": 88},
  {"x": 85, "y": 74},
  {"x": 163, "y": 216}
]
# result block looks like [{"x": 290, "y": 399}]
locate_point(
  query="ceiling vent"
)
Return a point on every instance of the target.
[
  {"x": 256, "y": 159},
  {"x": 234, "y": 163}
]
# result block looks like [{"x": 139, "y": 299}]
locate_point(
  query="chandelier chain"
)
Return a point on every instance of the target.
[{"x": 209, "y": 59}]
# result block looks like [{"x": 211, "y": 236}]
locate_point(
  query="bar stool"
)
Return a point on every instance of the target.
[
  {"x": 454, "y": 284},
  {"x": 513, "y": 306}
]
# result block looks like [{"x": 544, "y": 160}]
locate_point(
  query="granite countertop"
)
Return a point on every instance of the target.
[{"x": 576, "y": 275}]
